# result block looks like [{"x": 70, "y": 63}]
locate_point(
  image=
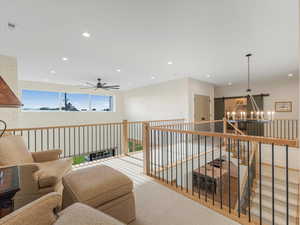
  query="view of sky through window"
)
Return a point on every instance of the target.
[
  {"x": 40, "y": 100},
  {"x": 100, "y": 103},
  {"x": 53, "y": 101}
]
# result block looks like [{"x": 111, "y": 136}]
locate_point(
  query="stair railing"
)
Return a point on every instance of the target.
[{"x": 199, "y": 164}]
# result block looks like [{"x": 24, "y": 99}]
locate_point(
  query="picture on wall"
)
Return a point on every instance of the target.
[{"x": 283, "y": 106}]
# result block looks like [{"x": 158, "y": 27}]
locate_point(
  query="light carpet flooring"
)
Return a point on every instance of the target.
[{"x": 157, "y": 204}]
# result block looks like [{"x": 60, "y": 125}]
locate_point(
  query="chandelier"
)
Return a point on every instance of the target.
[{"x": 256, "y": 113}]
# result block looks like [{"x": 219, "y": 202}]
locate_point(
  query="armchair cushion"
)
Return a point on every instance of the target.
[
  {"x": 80, "y": 214},
  {"x": 13, "y": 151},
  {"x": 50, "y": 173},
  {"x": 45, "y": 156}
]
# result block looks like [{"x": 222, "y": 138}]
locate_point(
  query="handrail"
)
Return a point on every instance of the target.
[
  {"x": 190, "y": 123},
  {"x": 292, "y": 143},
  {"x": 234, "y": 127},
  {"x": 245, "y": 179},
  {"x": 57, "y": 127},
  {"x": 155, "y": 121},
  {"x": 86, "y": 125}
]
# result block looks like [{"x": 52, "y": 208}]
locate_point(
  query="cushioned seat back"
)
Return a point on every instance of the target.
[{"x": 13, "y": 151}]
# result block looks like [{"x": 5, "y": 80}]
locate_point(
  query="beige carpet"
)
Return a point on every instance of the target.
[{"x": 158, "y": 205}]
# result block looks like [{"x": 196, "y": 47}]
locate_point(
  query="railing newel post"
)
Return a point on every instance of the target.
[
  {"x": 125, "y": 136},
  {"x": 146, "y": 147}
]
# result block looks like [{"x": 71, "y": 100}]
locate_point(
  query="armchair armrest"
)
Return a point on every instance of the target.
[
  {"x": 45, "y": 156},
  {"x": 28, "y": 177},
  {"x": 40, "y": 211}
]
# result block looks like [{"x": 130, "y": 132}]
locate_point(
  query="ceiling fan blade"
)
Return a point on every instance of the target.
[
  {"x": 88, "y": 83},
  {"x": 112, "y": 86},
  {"x": 86, "y": 88}
]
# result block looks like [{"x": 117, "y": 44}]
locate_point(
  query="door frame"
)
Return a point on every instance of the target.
[{"x": 210, "y": 106}]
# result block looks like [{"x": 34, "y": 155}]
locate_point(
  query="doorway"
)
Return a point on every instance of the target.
[{"x": 201, "y": 107}]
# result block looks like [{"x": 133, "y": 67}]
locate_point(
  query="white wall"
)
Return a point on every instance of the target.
[
  {"x": 168, "y": 100},
  {"x": 37, "y": 119},
  {"x": 280, "y": 90},
  {"x": 8, "y": 71}
]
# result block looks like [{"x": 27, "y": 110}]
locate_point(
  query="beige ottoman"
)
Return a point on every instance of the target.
[{"x": 102, "y": 188}]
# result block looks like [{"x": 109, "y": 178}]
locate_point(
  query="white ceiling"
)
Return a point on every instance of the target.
[{"x": 200, "y": 37}]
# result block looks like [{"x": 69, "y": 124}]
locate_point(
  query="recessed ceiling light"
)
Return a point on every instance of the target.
[
  {"x": 153, "y": 77},
  {"x": 170, "y": 63},
  {"x": 52, "y": 71},
  {"x": 229, "y": 83},
  {"x": 290, "y": 75},
  {"x": 86, "y": 34},
  {"x": 64, "y": 59},
  {"x": 208, "y": 75},
  {"x": 118, "y": 70}
]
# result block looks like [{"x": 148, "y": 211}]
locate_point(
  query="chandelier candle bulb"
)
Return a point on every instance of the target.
[
  {"x": 262, "y": 115},
  {"x": 272, "y": 116},
  {"x": 233, "y": 115},
  {"x": 257, "y": 115},
  {"x": 269, "y": 115},
  {"x": 241, "y": 116},
  {"x": 245, "y": 115},
  {"x": 228, "y": 115},
  {"x": 251, "y": 115}
]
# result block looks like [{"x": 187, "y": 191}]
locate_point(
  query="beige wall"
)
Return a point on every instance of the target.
[
  {"x": 8, "y": 71},
  {"x": 37, "y": 119},
  {"x": 280, "y": 90},
  {"x": 167, "y": 100}
]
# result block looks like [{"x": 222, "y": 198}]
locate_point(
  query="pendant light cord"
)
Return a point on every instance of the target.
[{"x": 248, "y": 58}]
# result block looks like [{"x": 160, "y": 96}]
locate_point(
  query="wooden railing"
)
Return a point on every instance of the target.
[
  {"x": 277, "y": 128},
  {"x": 88, "y": 141},
  {"x": 190, "y": 161}
]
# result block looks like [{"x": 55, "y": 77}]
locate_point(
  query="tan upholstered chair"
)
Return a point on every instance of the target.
[
  {"x": 42, "y": 212},
  {"x": 40, "y": 172}
]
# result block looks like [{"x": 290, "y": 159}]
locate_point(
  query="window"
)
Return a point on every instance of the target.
[
  {"x": 101, "y": 103},
  {"x": 75, "y": 102},
  {"x": 40, "y": 100},
  {"x": 55, "y": 101}
]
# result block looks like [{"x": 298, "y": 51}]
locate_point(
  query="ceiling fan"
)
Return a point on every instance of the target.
[{"x": 101, "y": 85}]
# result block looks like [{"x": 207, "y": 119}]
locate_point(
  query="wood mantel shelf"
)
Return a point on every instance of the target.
[{"x": 7, "y": 96}]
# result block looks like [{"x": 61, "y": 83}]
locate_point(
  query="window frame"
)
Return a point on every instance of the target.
[{"x": 112, "y": 99}]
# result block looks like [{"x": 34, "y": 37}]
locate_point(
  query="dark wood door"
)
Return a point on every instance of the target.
[
  {"x": 219, "y": 113},
  {"x": 219, "y": 108}
]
